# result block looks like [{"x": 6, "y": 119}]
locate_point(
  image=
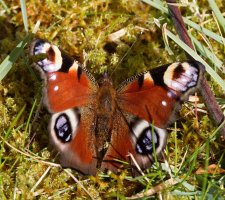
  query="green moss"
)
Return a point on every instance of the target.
[{"x": 84, "y": 26}]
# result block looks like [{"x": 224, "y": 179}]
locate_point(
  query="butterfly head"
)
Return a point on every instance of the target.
[{"x": 105, "y": 80}]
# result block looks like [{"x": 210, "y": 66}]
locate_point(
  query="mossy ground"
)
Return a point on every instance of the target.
[{"x": 78, "y": 26}]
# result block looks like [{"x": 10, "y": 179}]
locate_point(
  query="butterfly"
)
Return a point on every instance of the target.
[{"x": 95, "y": 126}]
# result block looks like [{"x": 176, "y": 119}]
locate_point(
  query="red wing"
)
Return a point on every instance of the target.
[
  {"x": 68, "y": 85},
  {"x": 70, "y": 96},
  {"x": 65, "y": 90},
  {"x": 146, "y": 104},
  {"x": 120, "y": 145},
  {"x": 155, "y": 95},
  {"x": 131, "y": 135},
  {"x": 72, "y": 133}
]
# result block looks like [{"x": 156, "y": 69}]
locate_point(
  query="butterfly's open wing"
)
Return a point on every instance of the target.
[
  {"x": 68, "y": 85},
  {"x": 120, "y": 144},
  {"x": 155, "y": 95},
  {"x": 132, "y": 135},
  {"x": 148, "y": 103},
  {"x": 69, "y": 96}
]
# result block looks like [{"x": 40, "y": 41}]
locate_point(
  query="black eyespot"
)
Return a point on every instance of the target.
[
  {"x": 145, "y": 144},
  {"x": 63, "y": 129}
]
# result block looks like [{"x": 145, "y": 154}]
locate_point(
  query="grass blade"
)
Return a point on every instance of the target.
[
  {"x": 24, "y": 14},
  {"x": 217, "y": 13},
  {"x": 157, "y": 4},
  {"x": 14, "y": 122},
  {"x": 6, "y": 65},
  {"x": 207, "y": 53},
  {"x": 5, "y": 6},
  {"x": 205, "y": 31}
]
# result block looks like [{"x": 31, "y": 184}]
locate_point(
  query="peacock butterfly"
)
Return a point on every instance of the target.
[{"x": 93, "y": 125}]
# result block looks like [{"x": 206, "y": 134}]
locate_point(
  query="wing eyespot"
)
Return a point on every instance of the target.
[
  {"x": 145, "y": 135},
  {"x": 63, "y": 127},
  {"x": 146, "y": 140},
  {"x": 54, "y": 59},
  {"x": 181, "y": 77}
]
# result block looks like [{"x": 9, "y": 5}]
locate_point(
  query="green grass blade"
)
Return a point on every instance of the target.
[
  {"x": 30, "y": 115},
  {"x": 205, "y": 179},
  {"x": 201, "y": 148},
  {"x": 157, "y": 4},
  {"x": 5, "y": 6},
  {"x": 24, "y": 14},
  {"x": 182, "y": 193},
  {"x": 217, "y": 13},
  {"x": 6, "y": 65},
  {"x": 205, "y": 31},
  {"x": 207, "y": 53},
  {"x": 14, "y": 122},
  {"x": 175, "y": 147}
]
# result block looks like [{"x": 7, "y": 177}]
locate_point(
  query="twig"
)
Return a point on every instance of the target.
[
  {"x": 41, "y": 178},
  {"x": 155, "y": 189},
  {"x": 77, "y": 181},
  {"x": 137, "y": 166}
]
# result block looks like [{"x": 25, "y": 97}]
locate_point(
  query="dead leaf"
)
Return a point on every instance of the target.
[{"x": 212, "y": 169}]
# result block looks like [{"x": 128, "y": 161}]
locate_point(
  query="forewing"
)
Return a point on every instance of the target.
[
  {"x": 156, "y": 94},
  {"x": 68, "y": 85}
]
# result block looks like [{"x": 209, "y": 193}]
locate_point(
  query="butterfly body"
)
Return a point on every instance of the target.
[
  {"x": 106, "y": 98},
  {"x": 93, "y": 125}
]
